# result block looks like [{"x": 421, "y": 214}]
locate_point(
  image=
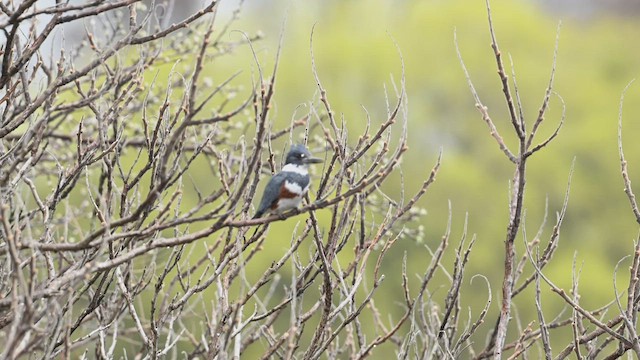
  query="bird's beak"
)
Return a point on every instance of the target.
[{"x": 312, "y": 160}]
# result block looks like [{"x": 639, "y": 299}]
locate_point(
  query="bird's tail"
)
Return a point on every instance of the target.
[{"x": 258, "y": 214}]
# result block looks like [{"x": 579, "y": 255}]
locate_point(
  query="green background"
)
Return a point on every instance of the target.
[{"x": 356, "y": 57}]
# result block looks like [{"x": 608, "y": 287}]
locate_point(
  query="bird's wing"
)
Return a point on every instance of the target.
[{"x": 271, "y": 193}]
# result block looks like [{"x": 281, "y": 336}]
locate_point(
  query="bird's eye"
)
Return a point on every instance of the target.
[{"x": 302, "y": 155}]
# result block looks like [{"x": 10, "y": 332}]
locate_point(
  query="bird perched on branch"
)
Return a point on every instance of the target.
[{"x": 286, "y": 189}]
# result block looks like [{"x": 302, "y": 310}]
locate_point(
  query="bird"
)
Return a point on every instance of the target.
[{"x": 285, "y": 190}]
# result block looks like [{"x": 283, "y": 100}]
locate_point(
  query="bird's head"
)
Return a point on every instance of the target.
[{"x": 299, "y": 155}]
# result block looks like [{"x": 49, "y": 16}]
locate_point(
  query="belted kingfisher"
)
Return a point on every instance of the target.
[{"x": 286, "y": 189}]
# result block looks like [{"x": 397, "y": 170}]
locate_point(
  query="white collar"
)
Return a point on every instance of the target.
[{"x": 298, "y": 169}]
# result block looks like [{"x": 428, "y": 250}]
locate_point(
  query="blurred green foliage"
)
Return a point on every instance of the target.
[{"x": 356, "y": 59}]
